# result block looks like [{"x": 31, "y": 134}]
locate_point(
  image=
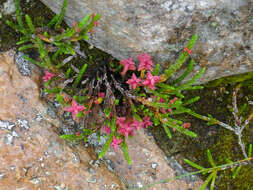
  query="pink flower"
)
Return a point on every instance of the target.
[
  {"x": 136, "y": 124},
  {"x": 47, "y": 76},
  {"x": 125, "y": 127},
  {"x": 173, "y": 100},
  {"x": 128, "y": 64},
  {"x": 151, "y": 81},
  {"x": 146, "y": 122},
  {"x": 78, "y": 133},
  {"x": 106, "y": 129},
  {"x": 186, "y": 125},
  {"x": 75, "y": 24},
  {"x": 161, "y": 100},
  {"x": 78, "y": 30},
  {"x": 120, "y": 121},
  {"x": 95, "y": 22},
  {"x": 75, "y": 109},
  {"x": 163, "y": 110},
  {"x": 96, "y": 101},
  {"x": 187, "y": 50},
  {"x": 145, "y": 62},
  {"x": 170, "y": 110},
  {"x": 115, "y": 143},
  {"x": 92, "y": 30},
  {"x": 134, "y": 81},
  {"x": 126, "y": 130},
  {"x": 66, "y": 99},
  {"x": 101, "y": 94}
]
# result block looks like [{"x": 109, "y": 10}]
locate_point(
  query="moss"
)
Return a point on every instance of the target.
[
  {"x": 228, "y": 147},
  {"x": 221, "y": 142},
  {"x": 230, "y": 79},
  {"x": 39, "y": 13}
]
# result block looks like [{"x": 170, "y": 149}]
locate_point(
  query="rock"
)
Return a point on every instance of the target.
[
  {"x": 162, "y": 28},
  {"x": 32, "y": 154},
  {"x": 149, "y": 165},
  {"x": 23, "y": 65},
  {"x": 6, "y": 125}
]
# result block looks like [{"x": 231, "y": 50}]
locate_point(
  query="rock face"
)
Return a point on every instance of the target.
[
  {"x": 162, "y": 27},
  {"x": 33, "y": 157},
  {"x": 149, "y": 165}
]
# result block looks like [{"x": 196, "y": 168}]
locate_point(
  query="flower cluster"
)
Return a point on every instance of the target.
[
  {"x": 47, "y": 76},
  {"x": 126, "y": 128},
  {"x": 75, "y": 109},
  {"x": 146, "y": 64}
]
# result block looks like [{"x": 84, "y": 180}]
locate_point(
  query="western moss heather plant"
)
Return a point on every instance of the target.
[
  {"x": 132, "y": 96},
  {"x": 151, "y": 98}
]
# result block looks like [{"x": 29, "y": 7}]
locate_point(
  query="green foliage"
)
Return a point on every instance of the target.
[
  {"x": 60, "y": 99},
  {"x": 167, "y": 90},
  {"x": 182, "y": 58},
  {"x": 212, "y": 173},
  {"x": 214, "y": 170},
  {"x": 79, "y": 76},
  {"x": 186, "y": 73},
  {"x": 77, "y": 137},
  {"x": 59, "y": 18},
  {"x": 19, "y": 18},
  {"x": 106, "y": 146},
  {"x": 125, "y": 151},
  {"x": 56, "y": 45},
  {"x": 41, "y": 40},
  {"x": 250, "y": 151},
  {"x": 30, "y": 24}
]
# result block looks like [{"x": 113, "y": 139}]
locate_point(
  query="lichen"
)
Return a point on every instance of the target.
[{"x": 222, "y": 143}]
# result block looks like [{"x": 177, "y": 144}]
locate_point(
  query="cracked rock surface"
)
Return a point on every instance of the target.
[
  {"x": 162, "y": 28},
  {"x": 33, "y": 157}
]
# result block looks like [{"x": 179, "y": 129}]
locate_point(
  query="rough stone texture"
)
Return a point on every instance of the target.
[
  {"x": 33, "y": 157},
  {"x": 162, "y": 27},
  {"x": 149, "y": 165}
]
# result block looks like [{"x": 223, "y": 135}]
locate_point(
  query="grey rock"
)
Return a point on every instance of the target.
[
  {"x": 14, "y": 134},
  {"x": 51, "y": 112},
  {"x": 180, "y": 170},
  {"x": 68, "y": 118},
  {"x": 23, "y": 124},
  {"x": 76, "y": 159},
  {"x": 60, "y": 188},
  {"x": 6, "y": 125},
  {"x": 24, "y": 66},
  {"x": 92, "y": 179},
  {"x": 1, "y": 176},
  {"x": 38, "y": 117},
  {"x": 12, "y": 168},
  {"x": 92, "y": 171},
  {"x": 93, "y": 139},
  {"x": 8, "y": 139},
  {"x": 35, "y": 181},
  {"x": 110, "y": 165},
  {"x": 139, "y": 184},
  {"x": 154, "y": 165},
  {"x": 8, "y": 7},
  {"x": 161, "y": 28}
]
